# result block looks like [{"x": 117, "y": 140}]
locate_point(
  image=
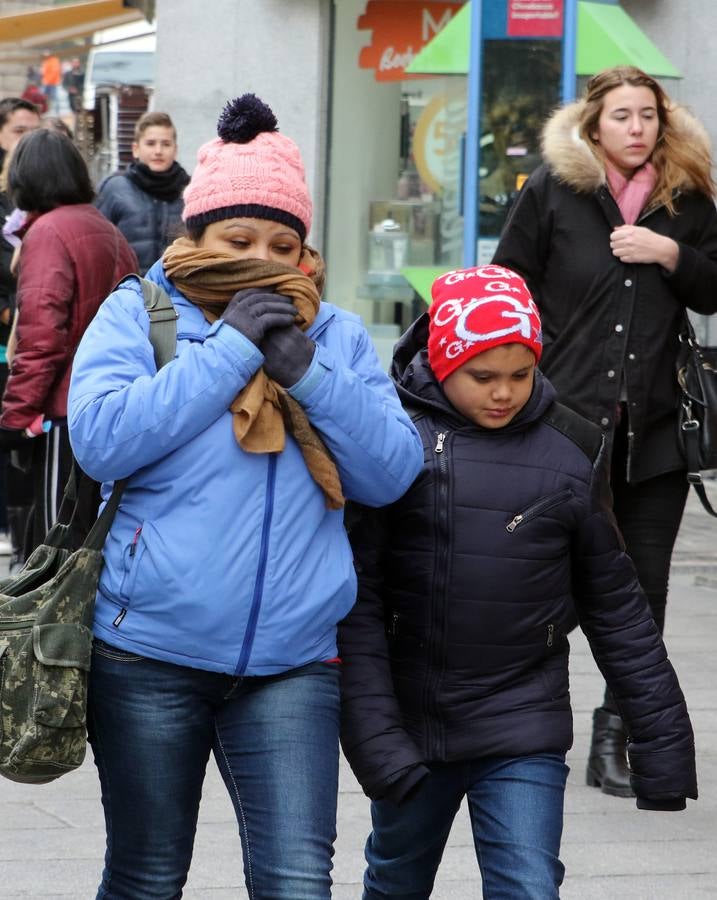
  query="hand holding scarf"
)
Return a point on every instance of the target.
[{"x": 263, "y": 410}]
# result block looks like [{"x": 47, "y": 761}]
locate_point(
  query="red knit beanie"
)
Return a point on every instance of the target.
[
  {"x": 476, "y": 309},
  {"x": 249, "y": 170}
]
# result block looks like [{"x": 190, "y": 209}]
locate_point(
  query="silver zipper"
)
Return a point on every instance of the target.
[
  {"x": 540, "y": 507},
  {"x": 439, "y": 442},
  {"x": 511, "y": 526},
  {"x": 551, "y": 631}
]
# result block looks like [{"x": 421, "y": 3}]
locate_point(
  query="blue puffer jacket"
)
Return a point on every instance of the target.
[
  {"x": 457, "y": 648},
  {"x": 220, "y": 559},
  {"x": 148, "y": 224}
]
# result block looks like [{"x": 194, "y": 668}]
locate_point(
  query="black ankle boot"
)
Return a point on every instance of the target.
[{"x": 607, "y": 763}]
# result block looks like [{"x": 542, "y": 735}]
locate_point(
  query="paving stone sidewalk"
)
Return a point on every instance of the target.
[{"x": 52, "y": 837}]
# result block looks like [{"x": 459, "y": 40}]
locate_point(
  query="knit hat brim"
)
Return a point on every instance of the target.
[{"x": 247, "y": 211}]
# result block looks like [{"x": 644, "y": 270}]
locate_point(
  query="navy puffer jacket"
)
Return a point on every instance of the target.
[
  {"x": 457, "y": 647},
  {"x": 148, "y": 223}
]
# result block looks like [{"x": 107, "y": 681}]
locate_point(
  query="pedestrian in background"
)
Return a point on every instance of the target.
[
  {"x": 34, "y": 94},
  {"x": 227, "y": 566},
  {"x": 145, "y": 201},
  {"x": 17, "y": 116},
  {"x": 70, "y": 258},
  {"x": 455, "y": 657},
  {"x": 616, "y": 234},
  {"x": 73, "y": 81},
  {"x": 51, "y": 79}
]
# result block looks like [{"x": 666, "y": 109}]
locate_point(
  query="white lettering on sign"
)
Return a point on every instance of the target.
[
  {"x": 429, "y": 26},
  {"x": 392, "y": 59},
  {"x": 534, "y": 9}
]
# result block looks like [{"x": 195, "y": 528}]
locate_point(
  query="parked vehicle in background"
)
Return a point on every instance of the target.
[{"x": 118, "y": 88}]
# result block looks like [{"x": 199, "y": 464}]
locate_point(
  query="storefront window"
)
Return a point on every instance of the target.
[
  {"x": 396, "y": 179},
  {"x": 520, "y": 88}
]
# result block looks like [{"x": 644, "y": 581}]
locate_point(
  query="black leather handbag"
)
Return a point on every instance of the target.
[{"x": 697, "y": 429}]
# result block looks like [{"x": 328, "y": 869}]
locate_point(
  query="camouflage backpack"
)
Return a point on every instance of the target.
[{"x": 46, "y": 613}]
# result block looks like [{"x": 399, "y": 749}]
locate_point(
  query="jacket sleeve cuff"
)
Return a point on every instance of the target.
[
  {"x": 400, "y": 789},
  {"x": 249, "y": 353},
  {"x": 674, "y": 804},
  {"x": 311, "y": 377}
]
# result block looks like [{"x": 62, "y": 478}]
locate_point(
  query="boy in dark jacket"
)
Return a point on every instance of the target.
[{"x": 455, "y": 675}]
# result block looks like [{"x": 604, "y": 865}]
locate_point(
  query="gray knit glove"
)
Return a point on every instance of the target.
[
  {"x": 254, "y": 311},
  {"x": 287, "y": 354}
]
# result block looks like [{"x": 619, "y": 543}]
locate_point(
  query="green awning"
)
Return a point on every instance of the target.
[
  {"x": 606, "y": 37},
  {"x": 422, "y": 277},
  {"x": 449, "y": 51}
]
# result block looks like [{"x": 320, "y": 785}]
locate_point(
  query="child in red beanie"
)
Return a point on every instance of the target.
[{"x": 455, "y": 656}]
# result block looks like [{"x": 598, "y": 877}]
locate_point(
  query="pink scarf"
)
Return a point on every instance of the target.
[{"x": 631, "y": 194}]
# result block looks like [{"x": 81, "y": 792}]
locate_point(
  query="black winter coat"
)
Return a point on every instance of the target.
[
  {"x": 148, "y": 223},
  {"x": 457, "y": 647},
  {"x": 608, "y": 324}
]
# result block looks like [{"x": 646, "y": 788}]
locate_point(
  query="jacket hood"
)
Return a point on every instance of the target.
[
  {"x": 572, "y": 161},
  {"x": 419, "y": 389}
]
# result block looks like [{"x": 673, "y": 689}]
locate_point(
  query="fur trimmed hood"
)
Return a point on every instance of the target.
[{"x": 573, "y": 162}]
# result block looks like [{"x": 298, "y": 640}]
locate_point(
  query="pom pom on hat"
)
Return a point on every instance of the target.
[
  {"x": 243, "y": 118},
  {"x": 249, "y": 170},
  {"x": 476, "y": 309}
]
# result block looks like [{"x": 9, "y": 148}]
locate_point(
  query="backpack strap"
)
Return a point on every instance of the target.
[{"x": 162, "y": 320}]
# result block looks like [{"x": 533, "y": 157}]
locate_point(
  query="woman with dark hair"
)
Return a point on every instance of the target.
[
  {"x": 70, "y": 258},
  {"x": 616, "y": 235}
]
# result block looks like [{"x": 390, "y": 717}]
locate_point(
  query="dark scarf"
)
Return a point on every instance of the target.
[
  {"x": 263, "y": 410},
  {"x": 166, "y": 186}
]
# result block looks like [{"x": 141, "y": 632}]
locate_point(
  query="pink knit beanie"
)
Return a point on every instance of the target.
[{"x": 250, "y": 170}]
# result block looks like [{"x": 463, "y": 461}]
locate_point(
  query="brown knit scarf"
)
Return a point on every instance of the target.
[{"x": 263, "y": 410}]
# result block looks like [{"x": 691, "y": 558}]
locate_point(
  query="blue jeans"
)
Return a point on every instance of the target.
[
  {"x": 516, "y": 812},
  {"x": 152, "y": 727}
]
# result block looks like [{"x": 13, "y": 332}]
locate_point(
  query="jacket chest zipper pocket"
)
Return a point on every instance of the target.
[{"x": 538, "y": 509}]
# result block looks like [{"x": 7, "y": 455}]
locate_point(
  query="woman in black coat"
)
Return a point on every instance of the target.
[{"x": 616, "y": 235}]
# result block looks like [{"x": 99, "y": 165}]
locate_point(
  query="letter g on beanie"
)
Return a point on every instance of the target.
[
  {"x": 248, "y": 170},
  {"x": 474, "y": 310}
]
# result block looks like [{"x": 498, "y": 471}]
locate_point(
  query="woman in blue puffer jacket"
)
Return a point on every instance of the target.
[{"x": 227, "y": 565}]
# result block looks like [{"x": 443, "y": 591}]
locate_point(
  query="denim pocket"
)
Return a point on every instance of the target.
[{"x": 110, "y": 652}]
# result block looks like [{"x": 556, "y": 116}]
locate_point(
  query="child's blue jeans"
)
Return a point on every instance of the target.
[
  {"x": 516, "y": 812},
  {"x": 275, "y": 739}
]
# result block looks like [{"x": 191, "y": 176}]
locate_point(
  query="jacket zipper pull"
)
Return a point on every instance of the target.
[
  {"x": 439, "y": 442},
  {"x": 511, "y": 526},
  {"x": 551, "y": 631},
  {"x": 393, "y": 627},
  {"x": 133, "y": 547},
  {"x": 118, "y": 619}
]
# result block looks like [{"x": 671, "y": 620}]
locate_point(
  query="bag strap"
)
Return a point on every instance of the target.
[
  {"x": 163, "y": 337},
  {"x": 162, "y": 319},
  {"x": 691, "y": 426},
  {"x": 95, "y": 540},
  {"x": 691, "y": 434}
]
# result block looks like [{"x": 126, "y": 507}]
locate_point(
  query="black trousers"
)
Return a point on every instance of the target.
[{"x": 649, "y": 516}]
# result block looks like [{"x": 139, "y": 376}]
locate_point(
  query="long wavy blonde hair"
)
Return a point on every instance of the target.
[{"x": 673, "y": 156}]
